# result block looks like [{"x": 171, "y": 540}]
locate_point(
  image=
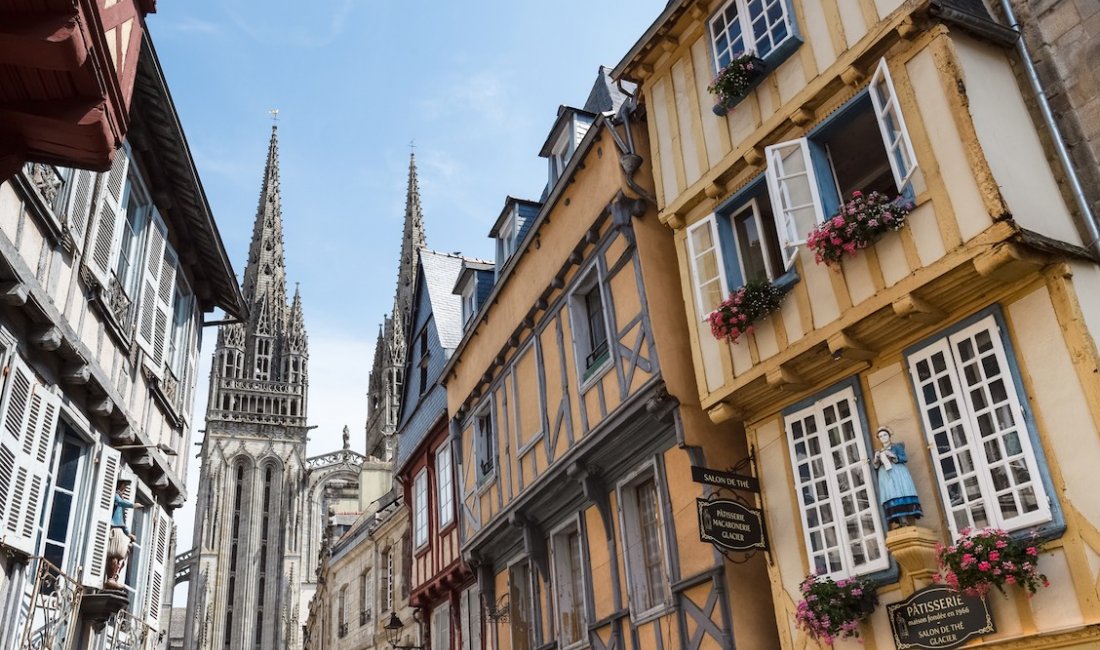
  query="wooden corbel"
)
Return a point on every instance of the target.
[
  {"x": 853, "y": 76},
  {"x": 784, "y": 378},
  {"x": 844, "y": 346},
  {"x": 669, "y": 43},
  {"x": 13, "y": 294},
  {"x": 534, "y": 542},
  {"x": 643, "y": 71},
  {"x": 907, "y": 28},
  {"x": 802, "y": 116},
  {"x": 46, "y": 338},
  {"x": 715, "y": 189},
  {"x": 76, "y": 372},
  {"x": 673, "y": 220},
  {"x": 754, "y": 157},
  {"x": 910, "y": 307},
  {"x": 595, "y": 491},
  {"x": 1007, "y": 262},
  {"x": 723, "y": 412}
]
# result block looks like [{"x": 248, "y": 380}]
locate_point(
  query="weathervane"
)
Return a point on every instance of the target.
[{"x": 274, "y": 112}]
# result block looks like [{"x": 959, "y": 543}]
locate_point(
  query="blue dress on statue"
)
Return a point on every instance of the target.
[{"x": 896, "y": 489}]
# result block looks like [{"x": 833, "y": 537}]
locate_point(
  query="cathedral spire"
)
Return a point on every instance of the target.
[
  {"x": 296, "y": 325},
  {"x": 412, "y": 240},
  {"x": 265, "y": 272}
]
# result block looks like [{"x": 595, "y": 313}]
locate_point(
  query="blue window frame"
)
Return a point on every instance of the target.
[
  {"x": 983, "y": 441},
  {"x": 763, "y": 28}
]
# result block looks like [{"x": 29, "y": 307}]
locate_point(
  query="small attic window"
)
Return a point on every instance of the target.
[
  {"x": 560, "y": 154},
  {"x": 469, "y": 301},
  {"x": 506, "y": 239}
]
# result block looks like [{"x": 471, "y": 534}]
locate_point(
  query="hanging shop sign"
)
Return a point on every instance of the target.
[
  {"x": 939, "y": 618},
  {"x": 729, "y": 480},
  {"x": 731, "y": 525}
]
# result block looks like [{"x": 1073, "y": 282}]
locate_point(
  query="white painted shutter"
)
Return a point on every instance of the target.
[
  {"x": 158, "y": 566},
  {"x": 79, "y": 208},
  {"x": 708, "y": 273},
  {"x": 158, "y": 281},
  {"x": 985, "y": 465},
  {"x": 796, "y": 200},
  {"x": 102, "y": 250},
  {"x": 891, "y": 125},
  {"x": 28, "y": 421},
  {"x": 108, "y": 466},
  {"x": 839, "y": 506}
]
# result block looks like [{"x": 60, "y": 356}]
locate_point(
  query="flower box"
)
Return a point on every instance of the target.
[
  {"x": 856, "y": 225},
  {"x": 980, "y": 560},
  {"x": 745, "y": 306},
  {"x": 831, "y": 610},
  {"x": 735, "y": 80}
]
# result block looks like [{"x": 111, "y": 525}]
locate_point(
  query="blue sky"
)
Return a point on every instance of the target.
[{"x": 476, "y": 85}]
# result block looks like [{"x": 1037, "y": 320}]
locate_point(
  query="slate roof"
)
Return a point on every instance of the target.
[
  {"x": 440, "y": 273},
  {"x": 606, "y": 95}
]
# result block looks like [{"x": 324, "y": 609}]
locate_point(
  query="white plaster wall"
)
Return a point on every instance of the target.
[
  {"x": 1059, "y": 402},
  {"x": 947, "y": 146},
  {"x": 686, "y": 116},
  {"x": 664, "y": 141},
  {"x": 1011, "y": 142},
  {"x": 815, "y": 30}
]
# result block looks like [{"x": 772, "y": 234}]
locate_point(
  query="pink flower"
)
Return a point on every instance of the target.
[
  {"x": 1010, "y": 579},
  {"x": 1001, "y": 543},
  {"x": 994, "y": 556},
  {"x": 1032, "y": 551},
  {"x": 838, "y": 221},
  {"x": 984, "y": 566},
  {"x": 857, "y": 194}
]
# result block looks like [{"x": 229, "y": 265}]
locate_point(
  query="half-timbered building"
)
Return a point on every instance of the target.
[
  {"x": 441, "y": 585},
  {"x": 969, "y": 331},
  {"x": 105, "y": 279},
  {"x": 575, "y": 420}
]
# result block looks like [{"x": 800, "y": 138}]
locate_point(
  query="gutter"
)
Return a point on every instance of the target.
[{"x": 1092, "y": 226}]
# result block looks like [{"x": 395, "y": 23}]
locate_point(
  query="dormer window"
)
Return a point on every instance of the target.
[
  {"x": 506, "y": 240},
  {"x": 560, "y": 154},
  {"x": 469, "y": 302}
]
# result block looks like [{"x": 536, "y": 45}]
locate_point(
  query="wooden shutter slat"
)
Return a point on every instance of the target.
[{"x": 107, "y": 472}]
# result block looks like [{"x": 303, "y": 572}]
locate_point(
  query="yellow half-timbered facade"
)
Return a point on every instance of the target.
[
  {"x": 576, "y": 420},
  {"x": 969, "y": 333}
]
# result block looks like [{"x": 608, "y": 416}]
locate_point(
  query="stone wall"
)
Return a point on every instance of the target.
[{"x": 1064, "y": 39}]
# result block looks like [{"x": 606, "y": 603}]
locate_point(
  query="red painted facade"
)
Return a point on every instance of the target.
[
  {"x": 67, "y": 74},
  {"x": 438, "y": 572}
]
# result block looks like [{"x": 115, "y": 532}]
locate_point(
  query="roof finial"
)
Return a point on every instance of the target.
[{"x": 274, "y": 113}]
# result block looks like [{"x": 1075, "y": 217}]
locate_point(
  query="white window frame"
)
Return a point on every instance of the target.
[
  {"x": 469, "y": 300},
  {"x": 967, "y": 421},
  {"x": 589, "y": 280},
  {"x": 444, "y": 481},
  {"x": 745, "y": 21},
  {"x": 485, "y": 450},
  {"x": 470, "y": 613},
  {"x": 779, "y": 182},
  {"x": 817, "y": 458},
  {"x": 562, "y": 579},
  {"x": 630, "y": 538},
  {"x": 753, "y": 206},
  {"x": 420, "y": 509},
  {"x": 388, "y": 571},
  {"x": 710, "y": 222},
  {"x": 441, "y": 626},
  {"x": 887, "y": 108},
  {"x": 562, "y": 151},
  {"x": 507, "y": 237}
]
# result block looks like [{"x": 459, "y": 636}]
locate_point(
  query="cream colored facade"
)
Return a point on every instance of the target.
[
  {"x": 105, "y": 279},
  {"x": 991, "y": 259},
  {"x": 362, "y": 581}
]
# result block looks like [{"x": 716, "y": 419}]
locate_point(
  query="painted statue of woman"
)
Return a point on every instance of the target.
[{"x": 895, "y": 485}]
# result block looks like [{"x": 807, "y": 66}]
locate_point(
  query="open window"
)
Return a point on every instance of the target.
[
  {"x": 485, "y": 444},
  {"x": 863, "y": 147},
  {"x": 588, "y": 318}
]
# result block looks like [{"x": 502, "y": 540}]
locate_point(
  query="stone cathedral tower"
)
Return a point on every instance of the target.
[
  {"x": 248, "y": 564},
  {"x": 384, "y": 388}
]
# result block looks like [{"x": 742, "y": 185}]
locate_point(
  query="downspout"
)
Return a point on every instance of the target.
[{"x": 1090, "y": 221}]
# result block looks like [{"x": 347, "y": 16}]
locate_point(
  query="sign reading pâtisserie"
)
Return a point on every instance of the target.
[
  {"x": 731, "y": 525},
  {"x": 938, "y": 618}
]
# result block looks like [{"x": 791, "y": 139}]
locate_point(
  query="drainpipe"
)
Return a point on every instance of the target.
[{"x": 1091, "y": 226}]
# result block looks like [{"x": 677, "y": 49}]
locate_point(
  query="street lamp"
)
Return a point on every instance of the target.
[
  {"x": 168, "y": 451},
  {"x": 393, "y": 629}
]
